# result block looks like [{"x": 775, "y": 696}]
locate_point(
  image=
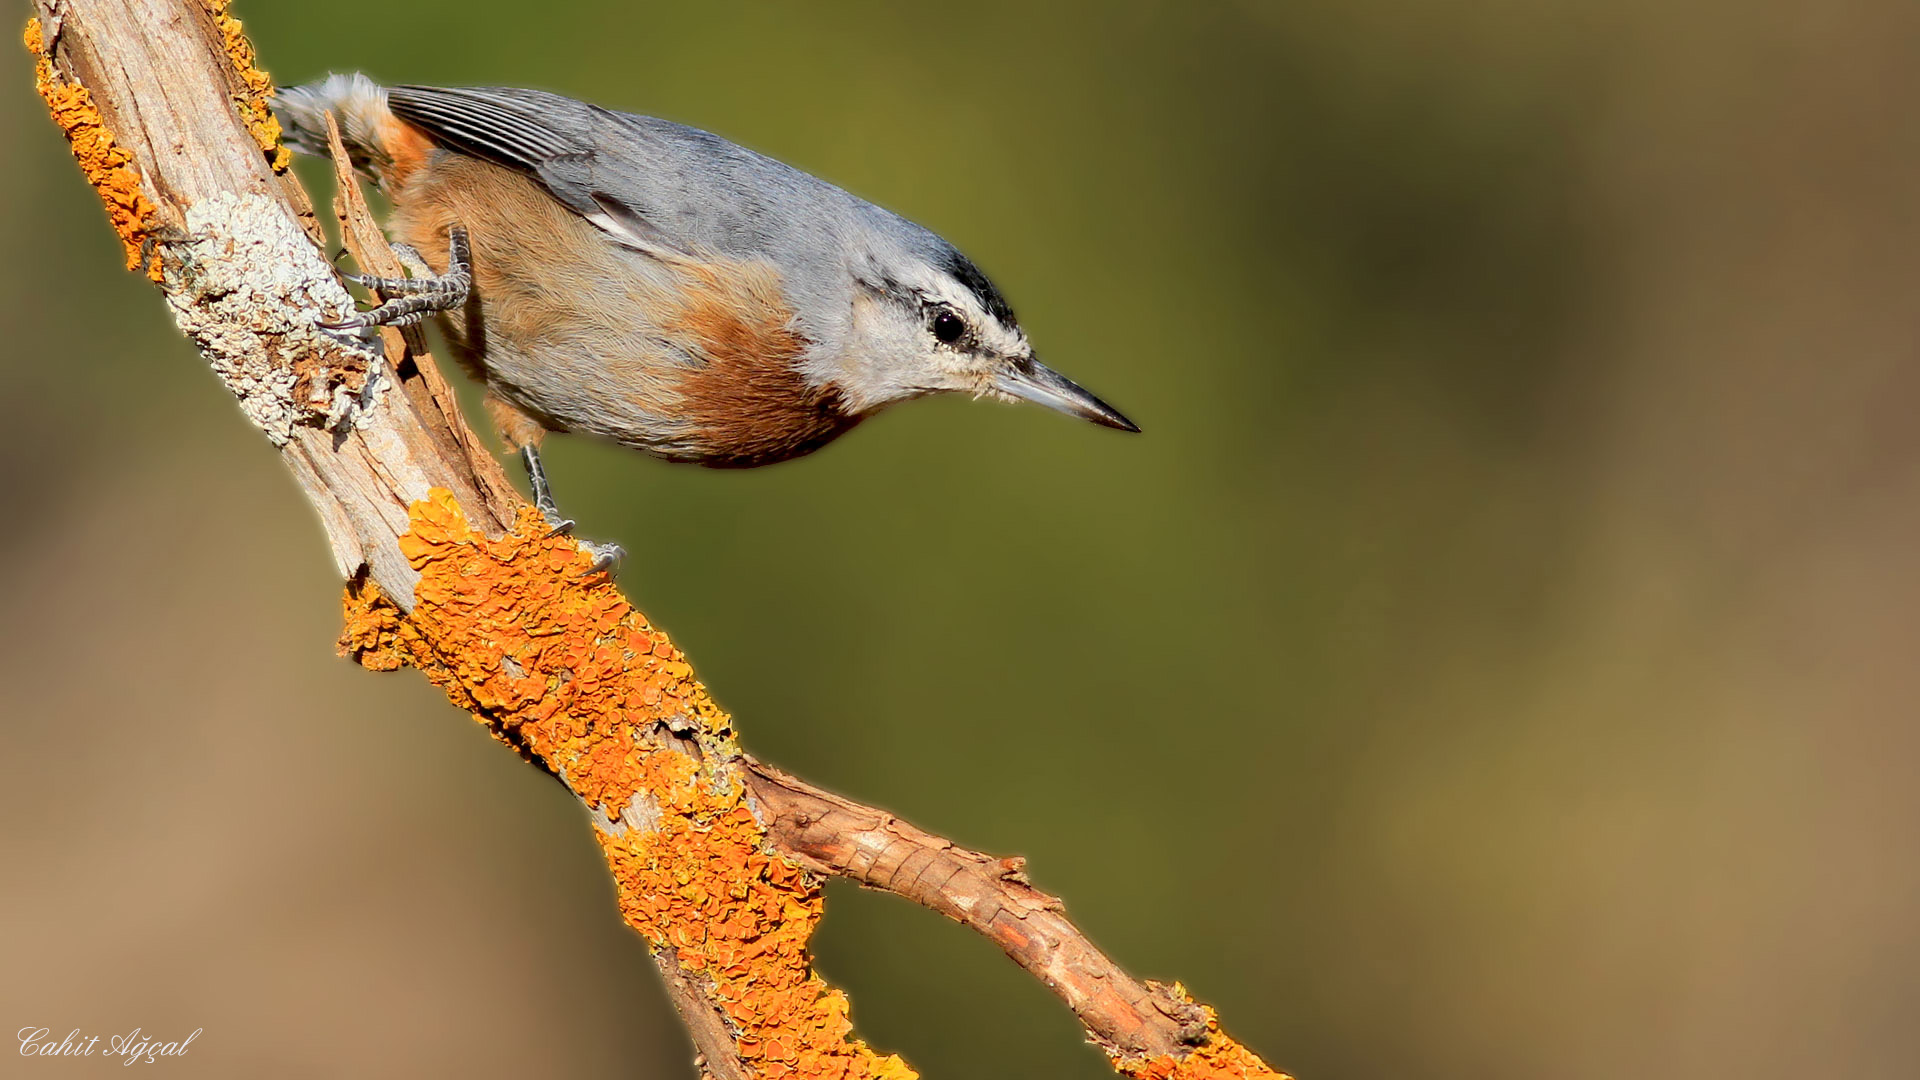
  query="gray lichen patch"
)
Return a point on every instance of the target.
[
  {"x": 247, "y": 286},
  {"x": 641, "y": 813}
]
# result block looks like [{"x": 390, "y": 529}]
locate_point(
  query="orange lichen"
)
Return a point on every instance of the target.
[
  {"x": 557, "y": 664},
  {"x": 255, "y": 102},
  {"x": 1216, "y": 1056},
  {"x": 106, "y": 165}
]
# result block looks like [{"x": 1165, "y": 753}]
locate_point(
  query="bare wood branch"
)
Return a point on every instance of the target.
[
  {"x": 717, "y": 859},
  {"x": 830, "y": 834}
]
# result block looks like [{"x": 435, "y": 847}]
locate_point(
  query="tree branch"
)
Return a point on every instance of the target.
[
  {"x": 829, "y": 834},
  {"x": 717, "y": 858}
]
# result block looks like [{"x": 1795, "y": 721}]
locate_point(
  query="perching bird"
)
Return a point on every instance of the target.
[{"x": 658, "y": 285}]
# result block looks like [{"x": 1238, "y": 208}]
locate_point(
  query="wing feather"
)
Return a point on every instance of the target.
[
  {"x": 548, "y": 137},
  {"x": 665, "y": 190},
  {"x": 485, "y": 123}
]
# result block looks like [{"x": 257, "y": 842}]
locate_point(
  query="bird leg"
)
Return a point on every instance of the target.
[
  {"x": 523, "y": 434},
  {"x": 542, "y": 490},
  {"x": 605, "y": 556},
  {"x": 416, "y": 297}
]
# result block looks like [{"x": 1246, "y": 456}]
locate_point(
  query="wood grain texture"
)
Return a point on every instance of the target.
[
  {"x": 837, "y": 836},
  {"x": 161, "y": 78}
]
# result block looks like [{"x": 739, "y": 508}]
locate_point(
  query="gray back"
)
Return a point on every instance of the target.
[{"x": 680, "y": 187}]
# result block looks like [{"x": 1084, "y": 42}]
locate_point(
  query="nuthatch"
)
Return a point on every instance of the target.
[{"x": 660, "y": 286}]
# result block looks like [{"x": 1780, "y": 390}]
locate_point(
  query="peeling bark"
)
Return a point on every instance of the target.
[{"x": 832, "y": 835}]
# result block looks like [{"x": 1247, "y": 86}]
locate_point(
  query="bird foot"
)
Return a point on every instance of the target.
[
  {"x": 416, "y": 297},
  {"x": 606, "y": 557}
]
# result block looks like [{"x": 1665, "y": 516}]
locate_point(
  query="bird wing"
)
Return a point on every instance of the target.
[
  {"x": 654, "y": 186},
  {"x": 503, "y": 126}
]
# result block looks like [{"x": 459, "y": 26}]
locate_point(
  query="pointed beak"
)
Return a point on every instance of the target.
[{"x": 1033, "y": 381}]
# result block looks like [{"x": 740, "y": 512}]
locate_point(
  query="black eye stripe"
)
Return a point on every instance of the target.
[{"x": 967, "y": 274}]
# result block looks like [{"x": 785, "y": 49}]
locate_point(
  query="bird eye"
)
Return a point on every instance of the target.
[{"x": 948, "y": 327}]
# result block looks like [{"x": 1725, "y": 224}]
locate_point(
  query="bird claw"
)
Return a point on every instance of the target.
[
  {"x": 606, "y": 557},
  {"x": 352, "y": 329},
  {"x": 412, "y": 299}
]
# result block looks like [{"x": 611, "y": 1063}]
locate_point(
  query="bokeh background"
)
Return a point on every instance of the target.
[{"x": 1497, "y": 658}]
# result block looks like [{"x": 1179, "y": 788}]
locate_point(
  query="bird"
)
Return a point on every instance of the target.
[{"x": 654, "y": 284}]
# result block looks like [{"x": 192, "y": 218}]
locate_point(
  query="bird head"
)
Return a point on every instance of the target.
[{"x": 925, "y": 321}]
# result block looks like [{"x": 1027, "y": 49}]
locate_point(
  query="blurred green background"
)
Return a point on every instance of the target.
[{"x": 1495, "y": 660}]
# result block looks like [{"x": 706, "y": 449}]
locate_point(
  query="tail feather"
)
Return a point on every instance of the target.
[{"x": 358, "y": 104}]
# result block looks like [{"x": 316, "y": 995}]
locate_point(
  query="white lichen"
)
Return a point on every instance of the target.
[{"x": 248, "y": 288}]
